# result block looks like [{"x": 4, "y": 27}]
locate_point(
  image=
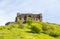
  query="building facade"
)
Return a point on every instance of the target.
[{"x": 23, "y": 17}]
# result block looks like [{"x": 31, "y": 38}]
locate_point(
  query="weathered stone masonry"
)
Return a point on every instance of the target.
[{"x": 23, "y": 17}]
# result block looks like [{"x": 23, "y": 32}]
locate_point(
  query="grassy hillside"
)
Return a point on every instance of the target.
[{"x": 30, "y": 30}]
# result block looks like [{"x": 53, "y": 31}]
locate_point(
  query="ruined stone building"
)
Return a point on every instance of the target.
[{"x": 23, "y": 17}]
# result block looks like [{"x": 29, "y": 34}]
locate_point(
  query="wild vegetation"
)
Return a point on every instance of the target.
[{"x": 30, "y": 30}]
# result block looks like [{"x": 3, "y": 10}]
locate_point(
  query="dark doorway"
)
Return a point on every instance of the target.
[
  {"x": 29, "y": 15},
  {"x": 25, "y": 17}
]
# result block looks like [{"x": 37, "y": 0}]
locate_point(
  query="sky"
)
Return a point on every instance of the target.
[{"x": 50, "y": 9}]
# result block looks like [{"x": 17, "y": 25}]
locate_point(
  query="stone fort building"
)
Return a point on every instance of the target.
[{"x": 23, "y": 17}]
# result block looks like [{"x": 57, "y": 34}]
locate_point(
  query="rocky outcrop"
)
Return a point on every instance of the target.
[{"x": 10, "y": 23}]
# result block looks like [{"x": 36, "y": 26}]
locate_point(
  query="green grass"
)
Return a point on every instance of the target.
[
  {"x": 22, "y": 34},
  {"x": 30, "y": 30}
]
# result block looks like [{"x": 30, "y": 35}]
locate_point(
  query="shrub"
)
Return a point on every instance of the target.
[
  {"x": 36, "y": 28},
  {"x": 51, "y": 29},
  {"x": 20, "y": 23},
  {"x": 29, "y": 20}
]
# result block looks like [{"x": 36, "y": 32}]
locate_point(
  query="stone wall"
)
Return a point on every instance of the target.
[
  {"x": 37, "y": 17},
  {"x": 23, "y": 17}
]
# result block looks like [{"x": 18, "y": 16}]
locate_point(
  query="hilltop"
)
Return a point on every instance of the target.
[{"x": 31, "y": 29}]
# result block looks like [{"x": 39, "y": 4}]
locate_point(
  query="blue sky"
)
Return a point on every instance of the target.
[{"x": 49, "y": 8}]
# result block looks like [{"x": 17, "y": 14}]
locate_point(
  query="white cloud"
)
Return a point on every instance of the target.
[{"x": 49, "y": 8}]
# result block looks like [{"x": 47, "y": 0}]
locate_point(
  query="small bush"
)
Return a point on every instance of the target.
[
  {"x": 51, "y": 29},
  {"x": 36, "y": 28}
]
